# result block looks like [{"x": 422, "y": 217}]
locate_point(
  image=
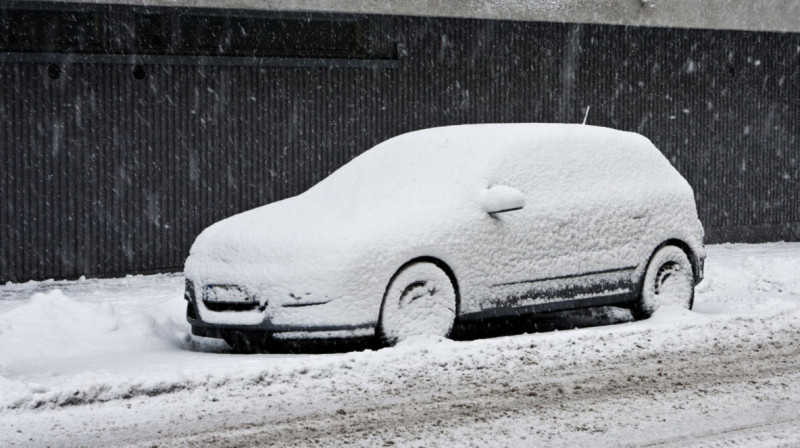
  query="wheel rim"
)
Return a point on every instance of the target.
[
  {"x": 420, "y": 301},
  {"x": 668, "y": 281},
  {"x": 665, "y": 281},
  {"x": 673, "y": 285}
]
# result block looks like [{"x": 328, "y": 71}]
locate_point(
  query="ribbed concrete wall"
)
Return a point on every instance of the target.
[{"x": 105, "y": 174}]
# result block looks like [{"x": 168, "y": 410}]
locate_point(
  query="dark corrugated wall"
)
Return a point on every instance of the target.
[{"x": 104, "y": 174}]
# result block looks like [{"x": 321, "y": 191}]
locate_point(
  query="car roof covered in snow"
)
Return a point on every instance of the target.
[{"x": 425, "y": 162}]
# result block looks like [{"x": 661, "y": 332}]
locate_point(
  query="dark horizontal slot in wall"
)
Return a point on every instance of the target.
[
  {"x": 74, "y": 29},
  {"x": 133, "y": 59},
  {"x": 247, "y": 36},
  {"x": 105, "y": 170},
  {"x": 50, "y": 31}
]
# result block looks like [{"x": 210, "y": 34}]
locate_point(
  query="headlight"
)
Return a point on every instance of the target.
[{"x": 226, "y": 294}]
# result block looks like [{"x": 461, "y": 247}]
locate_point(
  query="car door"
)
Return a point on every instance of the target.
[
  {"x": 530, "y": 250},
  {"x": 561, "y": 248}
]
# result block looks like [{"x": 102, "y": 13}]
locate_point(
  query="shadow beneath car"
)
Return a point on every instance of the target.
[
  {"x": 487, "y": 328},
  {"x": 542, "y": 322},
  {"x": 322, "y": 346}
]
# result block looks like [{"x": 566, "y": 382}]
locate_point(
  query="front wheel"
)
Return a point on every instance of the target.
[
  {"x": 668, "y": 280},
  {"x": 420, "y": 301}
]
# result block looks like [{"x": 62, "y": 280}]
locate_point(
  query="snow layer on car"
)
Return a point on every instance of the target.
[{"x": 422, "y": 194}]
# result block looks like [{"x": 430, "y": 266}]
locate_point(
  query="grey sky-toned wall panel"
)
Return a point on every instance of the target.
[
  {"x": 104, "y": 174},
  {"x": 757, "y": 15}
]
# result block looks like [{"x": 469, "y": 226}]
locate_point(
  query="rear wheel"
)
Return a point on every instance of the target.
[
  {"x": 420, "y": 301},
  {"x": 668, "y": 280}
]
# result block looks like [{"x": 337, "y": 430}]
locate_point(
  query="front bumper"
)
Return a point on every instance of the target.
[{"x": 261, "y": 322}]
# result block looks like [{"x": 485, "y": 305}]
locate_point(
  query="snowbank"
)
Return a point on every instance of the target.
[
  {"x": 52, "y": 326},
  {"x": 50, "y": 337}
]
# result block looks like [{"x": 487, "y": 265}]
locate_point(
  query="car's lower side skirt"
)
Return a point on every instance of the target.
[{"x": 547, "y": 307}]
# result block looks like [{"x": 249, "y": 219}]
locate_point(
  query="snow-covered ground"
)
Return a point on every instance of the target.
[{"x": 110, "y": 362}]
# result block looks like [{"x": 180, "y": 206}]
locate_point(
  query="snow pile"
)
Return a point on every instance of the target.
[
  {"x": 53, "y": 326},
  {"x": 752, "y": 276},
  {"x": 52, "y": 334}
]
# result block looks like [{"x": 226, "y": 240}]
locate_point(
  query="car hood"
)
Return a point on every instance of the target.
[
  {"x": 279, "y": 231},
  {"x": 308, "y": 236},
  {"x": 270, "y": 248}
]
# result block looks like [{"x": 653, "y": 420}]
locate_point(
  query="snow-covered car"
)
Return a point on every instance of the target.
[{"x": 452, "y": 224}]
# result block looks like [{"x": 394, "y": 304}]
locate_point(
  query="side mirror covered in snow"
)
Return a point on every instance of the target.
[{"x": 500, "y": 199}]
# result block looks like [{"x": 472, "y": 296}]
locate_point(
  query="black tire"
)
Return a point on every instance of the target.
[
  {"x": 419, "y": 301},
  {"x": 668, "y": 280}
]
